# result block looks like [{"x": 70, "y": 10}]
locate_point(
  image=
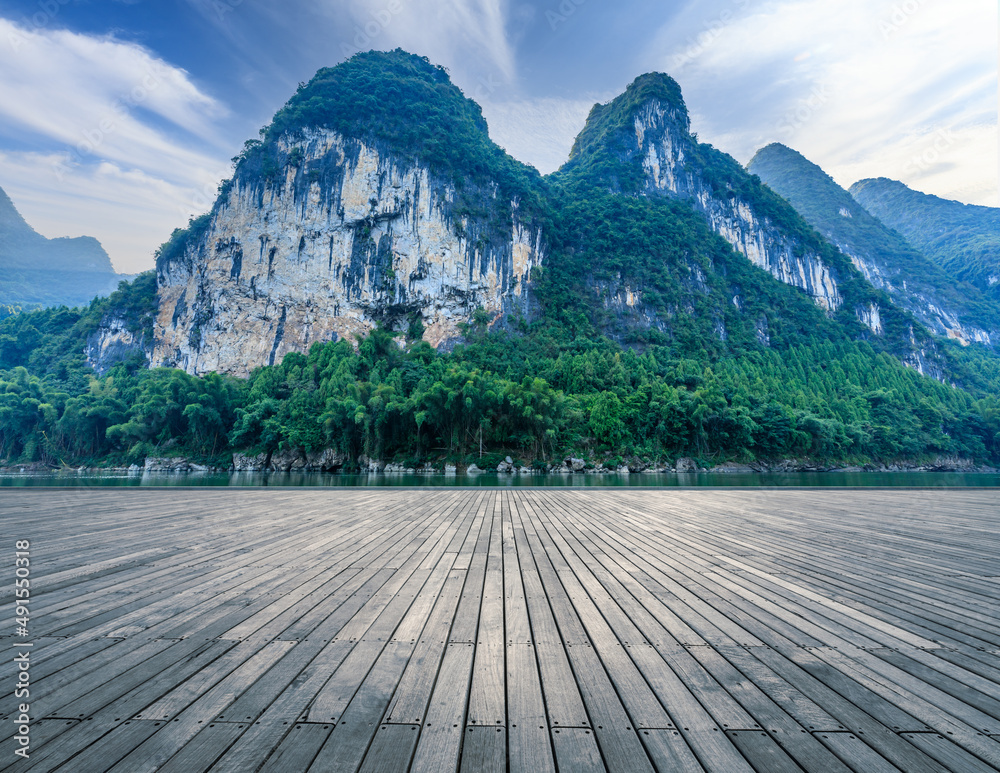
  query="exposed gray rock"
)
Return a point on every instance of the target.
[
  {"x": 244, "y": 463},
  {"x": 287, "y": 461},
  {"x": 327, "y": 460},
  {"x": 371, "y": 465},
  {"x": 114, "y": 342},
  {"x": 344, "y": 238},
  {"x": 663, "y": 141},
  {"x": 733, "y": 467},
  {"x": 686, "y": 464},
  {"x": 167, "y": 464}
]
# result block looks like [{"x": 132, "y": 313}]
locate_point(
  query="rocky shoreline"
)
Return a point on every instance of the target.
[{"x": 329, "y": 461}]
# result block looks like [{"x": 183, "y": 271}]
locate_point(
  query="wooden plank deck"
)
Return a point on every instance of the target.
[{"x": 445, "y": 631}]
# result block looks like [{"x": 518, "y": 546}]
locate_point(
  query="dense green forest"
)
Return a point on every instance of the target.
[
  {"x": 538, "y": 397},
  {"x": 718, "y": 360}
]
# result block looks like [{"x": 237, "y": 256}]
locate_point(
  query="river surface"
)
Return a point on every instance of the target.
[{"x": 554, "y": 480}]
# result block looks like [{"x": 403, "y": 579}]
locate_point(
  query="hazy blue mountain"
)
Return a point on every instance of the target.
[
  {"x": 961, "y": 238},
  {"x": 35, "y": 271}
]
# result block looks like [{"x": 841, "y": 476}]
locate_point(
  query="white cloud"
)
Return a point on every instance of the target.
[
  {"x": 858, "y": 87},
  {"x": 469, "y": 37},
  {"x": 122, "y": 142},
  {"x": 539, "y": 132}
]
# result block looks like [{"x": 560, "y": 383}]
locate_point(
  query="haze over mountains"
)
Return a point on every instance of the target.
[{"x": 35, "y": 271}]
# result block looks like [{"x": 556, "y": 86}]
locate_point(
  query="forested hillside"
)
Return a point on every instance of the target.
[
  {"x": 538, "y": 398},
  {"x": 939, "y": 296}
]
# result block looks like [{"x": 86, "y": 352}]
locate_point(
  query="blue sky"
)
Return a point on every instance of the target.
[{"x": 118, "y": 117}]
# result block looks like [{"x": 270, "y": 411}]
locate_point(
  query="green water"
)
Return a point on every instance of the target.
[{"x": 668, "y": 480}]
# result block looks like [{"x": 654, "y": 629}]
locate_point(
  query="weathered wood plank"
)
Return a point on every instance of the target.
[
  {"x": 201, "y": 752},
  {"x": 444, "y": 721},
  {"x": 391, "y": 749},
  {"x": 298, "y": 749},
  {"x": 510, "y": 629},
  {"x": 576, "y": 751}
]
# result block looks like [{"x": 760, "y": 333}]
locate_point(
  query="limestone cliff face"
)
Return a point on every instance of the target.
[
  {"x": 343, "y": 237},
  {"x": 113, "y": 342},
  {"x": 871, "y": 317},
  {"x": 663, "y": 140},
  {"x": 930, "y": 310}
]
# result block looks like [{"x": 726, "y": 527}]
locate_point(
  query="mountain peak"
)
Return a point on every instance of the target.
[
  {"x": 35, "y": 271},
  {"x": 12, "y": 225},
  {"x": 964, "y": 239},
  {"x": 372, "y": 96},
  {"x": 781, "y": 153},
  {"x": 798, "y": 179},
  {"x": 393, "y": 100},
  {"x": 608, "y": 124},
  {"x": 883, "y": 184}
]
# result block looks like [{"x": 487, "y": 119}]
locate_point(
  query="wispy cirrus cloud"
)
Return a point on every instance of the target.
[{"x": 98, "y": 128}]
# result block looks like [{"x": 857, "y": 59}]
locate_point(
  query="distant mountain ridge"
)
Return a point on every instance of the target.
[
  {"x": 36, "y": 271},
  {"x": 944, "y": 302},
  {"x": 964, "y": 239}
]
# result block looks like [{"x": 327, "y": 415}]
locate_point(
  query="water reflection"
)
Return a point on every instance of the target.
[{"x": 654, "y": 480}]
